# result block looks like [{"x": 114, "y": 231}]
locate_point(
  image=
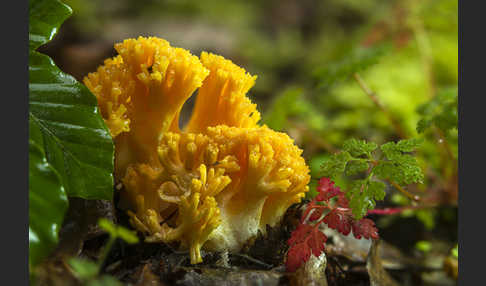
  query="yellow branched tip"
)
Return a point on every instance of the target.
[
  {"x": 112, "y": 88},
  {"x": 222, "y": 98},
  {"x": 225, "y": 70},
  {"x": 140, "y": 93}
]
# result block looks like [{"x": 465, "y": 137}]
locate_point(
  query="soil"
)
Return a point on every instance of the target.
[{"x": 260, "y": 262}]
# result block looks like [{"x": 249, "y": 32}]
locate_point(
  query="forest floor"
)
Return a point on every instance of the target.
[{"x": 348, "y": 261}]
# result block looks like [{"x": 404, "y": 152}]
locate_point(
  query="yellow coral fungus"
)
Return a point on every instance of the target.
[
  {"x": 140, "y": 93},
  {"x": 222, "y": 98},
  {"x": 215, "y": 183}
]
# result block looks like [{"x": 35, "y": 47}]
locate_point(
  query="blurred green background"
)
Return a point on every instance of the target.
[{"x": 327, "y": 70}]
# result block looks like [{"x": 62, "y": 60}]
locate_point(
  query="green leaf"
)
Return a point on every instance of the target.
[
  {"x": 357, "y": 157},
  {"x": 356, "y": 166},
  {"x": 377, "y": 190},
  {"x": 423, "y": 125},
  {"x": 440, "y": 111},
  {"x": 400, "y": 167},
  {"x": 409, "y": 145},
  {"x": 84, "y": 269},
  {"x": 127, "y": 235},
  {"x": 45, "y": 17},
  {"x": 362, "y": 196},
  {"x": 336, "y": 164},
  {"x": 74, "y": 137},
  {"x": 360, "y": 199},
  {"x": 359, "y": 147},
  {"x": 117, "y": 231},
  {"x": 394, "y": 150},
  {"x": 404, "y": 171},
  {"x": 47, "y": 204},
  {"x": 108, "y": 226}
]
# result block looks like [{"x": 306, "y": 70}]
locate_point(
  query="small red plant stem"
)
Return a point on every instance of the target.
[
  {"x": 343, "y": 210},
  {"x": 391, "y": 211},
  {"x": 310, "y": 207},
  {"x": 387, "y": 211},
  {"x": 305, "y": 214},
  {"x": 318, "y": 223},
  {"x": 314, "y": 206}
]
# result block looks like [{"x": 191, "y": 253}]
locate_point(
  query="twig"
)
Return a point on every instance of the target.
[
  {"x": 336, "y": 262},
  {"x": 403, "y": 191},
  {"x": 254, "y": 260},
  {"x": 372, "y": 95},
  {"x": 178, "y": 252},
  {"x": 446, "y": 145}
]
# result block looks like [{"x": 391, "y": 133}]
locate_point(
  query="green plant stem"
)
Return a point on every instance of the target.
[
  {"x": 105, "y": 253},
  {"x": 403, "y": 191},
  {"x": 446, "y": 145},
  {"x": 372, "y": 95},
  {"x": 397, "y": 186}
]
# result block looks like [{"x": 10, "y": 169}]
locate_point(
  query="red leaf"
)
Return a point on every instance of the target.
[
  {"x": 299, "y": 234},
  {"x": 342, "y": 201},
  {"x": 317, "y": 242},
  {"x": 316, "y": 214},
  {"x": 305, "y": 239},
  {"x": 365, "y": 228},
  {"x": 297, "y": 255},
  {"x": 326, "y": 189},
  {"x": 338, "y": 221}
]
